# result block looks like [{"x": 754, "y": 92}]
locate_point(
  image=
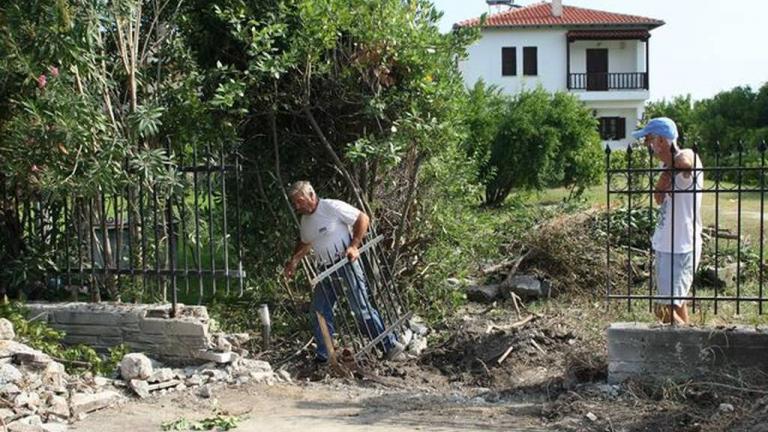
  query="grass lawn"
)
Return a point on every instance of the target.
[{"x": 726, "y": 204}]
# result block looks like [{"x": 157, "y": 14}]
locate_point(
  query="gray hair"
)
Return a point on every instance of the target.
[{"x": 301, "y": 187}]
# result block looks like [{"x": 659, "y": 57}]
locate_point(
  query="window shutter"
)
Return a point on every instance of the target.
[
  {"x": 508, "y": 61},
  {"x": 530, "y": 61}
]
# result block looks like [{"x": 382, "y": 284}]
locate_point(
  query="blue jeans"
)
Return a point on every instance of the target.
[{"x": 356, "y": 289}]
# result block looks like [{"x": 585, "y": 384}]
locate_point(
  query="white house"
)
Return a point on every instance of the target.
[{"x": 602, "y": 57}]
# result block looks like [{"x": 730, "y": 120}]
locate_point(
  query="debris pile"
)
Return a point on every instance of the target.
[{"x": 37, "y": 393}]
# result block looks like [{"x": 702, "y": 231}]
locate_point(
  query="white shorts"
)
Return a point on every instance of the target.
[{"x": 674, "y": 275}]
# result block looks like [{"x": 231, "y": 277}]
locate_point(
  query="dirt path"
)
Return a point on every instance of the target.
[{"x": 321, "y": 408}]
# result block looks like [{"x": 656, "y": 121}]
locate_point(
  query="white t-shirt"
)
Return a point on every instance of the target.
[
  {"x": 687, "y": 223},
  {"x": 328, "y": 228}
]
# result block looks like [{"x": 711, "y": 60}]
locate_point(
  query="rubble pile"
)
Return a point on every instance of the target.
[{"x": 38, "y": 395}]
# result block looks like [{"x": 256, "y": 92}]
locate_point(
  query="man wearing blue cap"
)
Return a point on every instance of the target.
[{"x": 677, "y": 238}]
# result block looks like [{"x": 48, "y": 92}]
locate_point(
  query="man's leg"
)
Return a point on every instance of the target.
[
  {"x": 323, "y": 300},
  {"x": 681, "y": 313},
  {"x": 368, "y": 317}
]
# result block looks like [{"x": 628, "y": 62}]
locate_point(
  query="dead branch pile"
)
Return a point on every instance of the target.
[{"x": 570, "y": 251}]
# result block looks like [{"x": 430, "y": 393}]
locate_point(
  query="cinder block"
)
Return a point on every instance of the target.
[{"x": 652, "y": 352}]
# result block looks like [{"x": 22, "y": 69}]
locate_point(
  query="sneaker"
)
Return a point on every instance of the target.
[{"x": 395, "y": 353}]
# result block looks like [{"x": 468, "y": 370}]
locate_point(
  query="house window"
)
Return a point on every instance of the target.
[
  {"x": 508, "y": 61},
  {"x": 613, "y": 128},
  {"x": 530, "y": 61}
]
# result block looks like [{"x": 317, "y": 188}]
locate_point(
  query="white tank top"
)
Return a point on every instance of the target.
[{"x": 687, "y": 215}]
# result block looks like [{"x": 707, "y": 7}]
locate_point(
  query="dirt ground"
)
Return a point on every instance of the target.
[{"x": 552, "y": 379}]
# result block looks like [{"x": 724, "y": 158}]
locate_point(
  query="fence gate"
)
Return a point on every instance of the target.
[
  {"x": 341, "y": 281},
  {"x": 732, "y": 201}
]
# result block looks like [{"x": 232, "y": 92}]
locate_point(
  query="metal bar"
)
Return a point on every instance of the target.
[
  {"x": 342, "y": 262},
  {"x": 352, "y": 298},
  {"x": 651, "y": 256},
  {"x": 223, "y": 175},
  {"x": 104, "y": 235},
  {"x": 673, "y": 150},
  {"x": 738, "y": 231},
  {"x": 79, "y": 225},
  {"x": 156, "y": 230},
  {"x": 608, "y": 222},
  {"x": 695, "y": 180},
  {"x": 162, "y": 272},
  {"x": 143, "y": 225},
  {"x": 238, "y": 241},
  {"x": 118, "y": 237},
  {"x": 211, "y": 246},
  {"x": 761, "y": 148},
  {"x": 629, "y": 229},
  {"x": 383, "y": 334},
  {"x": 198, "y": 258},
  {"x": 689, "y": 297},
  {"x": 344, "y": 322},
  {"x": 66, "y": 241},
  {"x": 717, "y": 216},
  {"x": 94, "y": 285}
]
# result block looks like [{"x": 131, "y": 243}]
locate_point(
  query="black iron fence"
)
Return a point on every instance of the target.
[
  {"x": 714, "y": 213},
  {"x": 608, "y": 81},
  {"x": 153, "y": 238}
]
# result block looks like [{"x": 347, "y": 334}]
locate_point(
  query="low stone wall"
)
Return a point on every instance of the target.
[
  {"x": 655, "y": 352},
  {"x": 141, "y": 328}
]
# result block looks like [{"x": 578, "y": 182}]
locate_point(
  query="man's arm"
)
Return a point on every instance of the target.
[
  {"x": 299, "y": 252},
  {"x": 359, "y": 229}
]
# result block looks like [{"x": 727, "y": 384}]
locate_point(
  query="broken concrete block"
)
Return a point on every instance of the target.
[
  {"x": 285, "y": 375},
  {"x": 251, "y": 365},
  {"x": 162, "y": 375},
  {"x": 55, "y": 427},
  {"x": 140, "y": 387},
  {"x": 29, "y": 399},
  {"x": 58, "y": 406},
  {"x": 417, "y": 345},
  {"x": 6, "y": 330},
  {"x": 9, "y": 374},
  {"x": 218, "y": 357},
  {"x": 526, "y": 287},
  {"x": 221, "y": 343},
  {"x": 196, "y": 380},
  {"x": 100, "y": 381},
  {"x": 483, "y": 293},
  {"x": 31, "y": 423},
  {"x": 9, "y": 390},
  {"x": 32, "y": 358},
  {"x": 83, "y": 403},
  {"x": 54, "y": 375},
  {"x": 6, "y": 413},
  {"x": 135, "y": 366},
  {"x": 205, "y": 392}
]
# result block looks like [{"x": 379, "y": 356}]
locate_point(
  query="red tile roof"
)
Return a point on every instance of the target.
[{"x": 540, "y": 14}]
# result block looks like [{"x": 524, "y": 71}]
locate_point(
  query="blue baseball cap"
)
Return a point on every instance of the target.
[{"x": 661, "y": 126}]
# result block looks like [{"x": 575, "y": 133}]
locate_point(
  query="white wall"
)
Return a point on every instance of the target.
[
  {"x": 484, "y": 60},
  {"x": 623, "y": 56}
]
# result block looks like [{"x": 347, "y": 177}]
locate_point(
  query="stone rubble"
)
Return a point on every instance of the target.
[{"x": 45, "y": 398}]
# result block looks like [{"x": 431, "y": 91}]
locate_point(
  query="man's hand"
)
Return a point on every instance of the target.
[
  {"x": 289, "y": 270},
  {"x": 352, "y": 253},
  {"x": 662, "y": 185}
]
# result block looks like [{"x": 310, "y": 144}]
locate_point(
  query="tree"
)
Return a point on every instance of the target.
[{"x": 543, "y": 140}]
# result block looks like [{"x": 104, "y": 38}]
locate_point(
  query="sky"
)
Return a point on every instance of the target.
[{"x": 706, "y": 46}]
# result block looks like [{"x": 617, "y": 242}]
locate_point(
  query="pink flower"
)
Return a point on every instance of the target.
[
  {"x": 54, "y": 71},
  {"x": 41, "y": 81}
]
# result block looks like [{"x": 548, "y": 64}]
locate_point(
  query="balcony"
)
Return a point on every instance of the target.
[{"x": 600, "y": 81}]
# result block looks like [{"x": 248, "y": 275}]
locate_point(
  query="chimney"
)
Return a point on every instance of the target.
[{"x": 557, "y": 8}]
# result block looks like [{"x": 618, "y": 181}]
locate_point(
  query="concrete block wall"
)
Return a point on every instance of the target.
[
  {"x": 141, "y": 328},
  {"x": 656, "y": 352}
]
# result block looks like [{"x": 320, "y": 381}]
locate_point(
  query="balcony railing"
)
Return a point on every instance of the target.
[{"x": 608, "y": 81}]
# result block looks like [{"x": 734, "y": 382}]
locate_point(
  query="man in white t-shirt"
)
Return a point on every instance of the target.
[
  {"x": 325, "y": 229},
  {"x": 677, "y": 238}
]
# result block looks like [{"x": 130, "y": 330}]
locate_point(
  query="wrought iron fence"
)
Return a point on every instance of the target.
[
  {"x": 730, "y": 224},
  {"x": 146, "y": 240}
]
